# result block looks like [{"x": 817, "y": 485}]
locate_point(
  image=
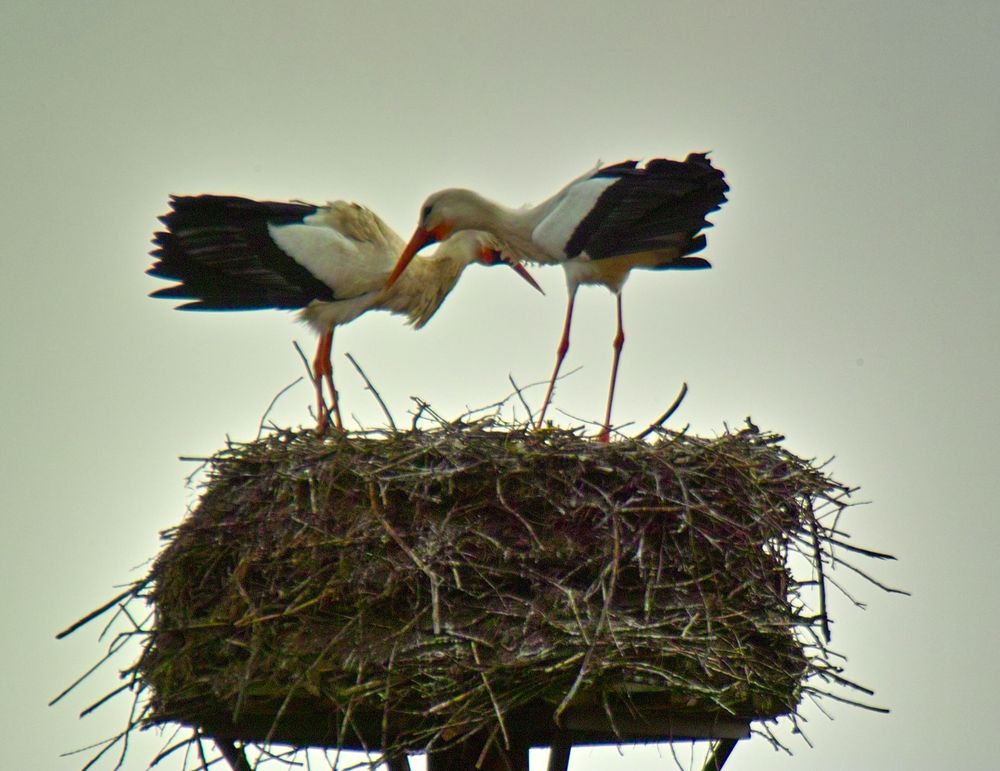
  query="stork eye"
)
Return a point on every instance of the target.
[{"x": 425, "y": 213}]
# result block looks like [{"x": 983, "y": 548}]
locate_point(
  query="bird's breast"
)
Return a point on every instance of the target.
[
  {"x": 611, "y": 272},
  {"x": 322, "y": 316}
]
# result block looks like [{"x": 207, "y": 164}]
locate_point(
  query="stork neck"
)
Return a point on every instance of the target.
[{"x": 514, "y": 228}]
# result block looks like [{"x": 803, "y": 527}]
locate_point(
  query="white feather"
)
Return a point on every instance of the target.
[
  {"x": 577, "y": 201},
  {"x": 348, "y": 267}
]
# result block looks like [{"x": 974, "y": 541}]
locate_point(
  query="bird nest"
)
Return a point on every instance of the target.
[
  {"x": 411, "y": 589},
  {"x": 406, "y": 591}
]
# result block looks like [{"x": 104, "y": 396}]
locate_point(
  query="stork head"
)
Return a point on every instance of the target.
[
  {"x": 468, "y": 246},
  {"x": 443, "y": 213},
  {"x": 435, "y": 275}
]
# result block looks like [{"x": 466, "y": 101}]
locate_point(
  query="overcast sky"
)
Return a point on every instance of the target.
[{"x": 852, "y": 306}]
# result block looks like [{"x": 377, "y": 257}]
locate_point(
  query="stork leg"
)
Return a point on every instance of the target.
[
  {"x": 619, "y": 341},
  {"x": 560, "y": 355},
  {"x": 334, "y": 398},
  {"x": 323, "y": 371},
  {"x": 319, "y": 362}
]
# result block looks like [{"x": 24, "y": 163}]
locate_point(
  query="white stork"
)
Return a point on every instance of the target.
[
  {"x": 599, "y": 227},
  {"x": 330, "y": 262}
]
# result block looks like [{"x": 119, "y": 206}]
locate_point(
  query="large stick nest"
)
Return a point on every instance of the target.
[{"x": 410, "y": 589}]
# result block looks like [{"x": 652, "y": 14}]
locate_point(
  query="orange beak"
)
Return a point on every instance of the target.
[
  {"x": 523, "y": 273},
  {"x": 421, "y": 238}
]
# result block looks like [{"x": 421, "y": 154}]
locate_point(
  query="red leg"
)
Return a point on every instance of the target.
[
  {"x": 336, "y": 400},
  {"x": 328, "y": 377},
  {"x": 619, "y": 341},
  {"x": 560, "y": 355},
  {"x": 322, "y": 367}
]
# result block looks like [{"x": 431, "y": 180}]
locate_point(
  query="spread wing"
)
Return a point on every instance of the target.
[
  {"x": 626, "y": 208},
  {"x": 230, "y": 253}
]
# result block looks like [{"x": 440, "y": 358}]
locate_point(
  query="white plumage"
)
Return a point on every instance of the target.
[
  {"x": 599, "y": 227},
  {"x": 329, "y": 262}
]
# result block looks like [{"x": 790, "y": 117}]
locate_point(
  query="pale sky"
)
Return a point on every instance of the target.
[{"x": 852, "y": 305}]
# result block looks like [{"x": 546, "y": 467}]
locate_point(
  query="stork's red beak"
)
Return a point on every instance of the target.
[
  {"x": 490, "y": 256},
  {"x": 523, "y": 273},
  {"x": 421, "y": 238}
]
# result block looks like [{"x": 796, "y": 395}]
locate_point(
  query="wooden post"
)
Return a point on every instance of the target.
[
  {"x": 559, "y": 753},
  {"x": 233, "y": 754},
  {"x": 465, "y": 756},
  {"x": 720, "y": 754},
  {"x": 397, "y": 763}
]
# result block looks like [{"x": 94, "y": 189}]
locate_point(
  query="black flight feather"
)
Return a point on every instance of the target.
[
  {"x": 219, "y": 250},
  {"x": 661, "y": 205}
]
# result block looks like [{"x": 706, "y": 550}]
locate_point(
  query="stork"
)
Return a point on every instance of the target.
[
  {"x": 599, "y": 227},
  {"x": 329, "y": 262}
]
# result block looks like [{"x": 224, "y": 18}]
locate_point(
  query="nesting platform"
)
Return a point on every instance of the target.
[{"x": 407, "y": 592}]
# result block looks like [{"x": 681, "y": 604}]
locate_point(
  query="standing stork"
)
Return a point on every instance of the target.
[
  {"x": 599, "y": 227},
  {"x": 329, "y": 262}
]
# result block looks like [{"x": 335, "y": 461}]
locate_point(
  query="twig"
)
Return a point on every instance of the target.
[
  {"x": 493, "y": 699},
  {"x": 112, "y": 650},
  {"x": 305, "y": 360},
  {"x": 263, "y": 419},
  {"x": 601, "y": 621},
  {"x": 421, "y": 406},
  {"x": 818, "y": 552},
  {"x": 872, "y": 580},
  {"x": 517, "y": 390},
  {"x": 431, "y": 575},
  {"x": 425, "y": 407},
  {"x": 518, "y": 515},
  {"x": 594, "y": 423},
  {"x": 106, "y": 698},
  {"x": 104, "y": 750},
  {"x": 202, "y": 464},
  {"x": 133, "y": 589},
  {"x": 133, "y": 721},
  {"x": 375, "y": 393},
  {"x": 658, "y": 423},
  {"x": 313, "y": 378}
]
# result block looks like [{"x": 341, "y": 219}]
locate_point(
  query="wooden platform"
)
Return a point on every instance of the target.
[{"x": 642, "y": 718}]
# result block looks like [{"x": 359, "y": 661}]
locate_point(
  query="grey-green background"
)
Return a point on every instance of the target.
[{"x": 852, "y": 305}]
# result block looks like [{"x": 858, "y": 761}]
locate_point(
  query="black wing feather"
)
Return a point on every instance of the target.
[
  {"x": 220, "y": 252},
  {"x": 660, "y": 205}
]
